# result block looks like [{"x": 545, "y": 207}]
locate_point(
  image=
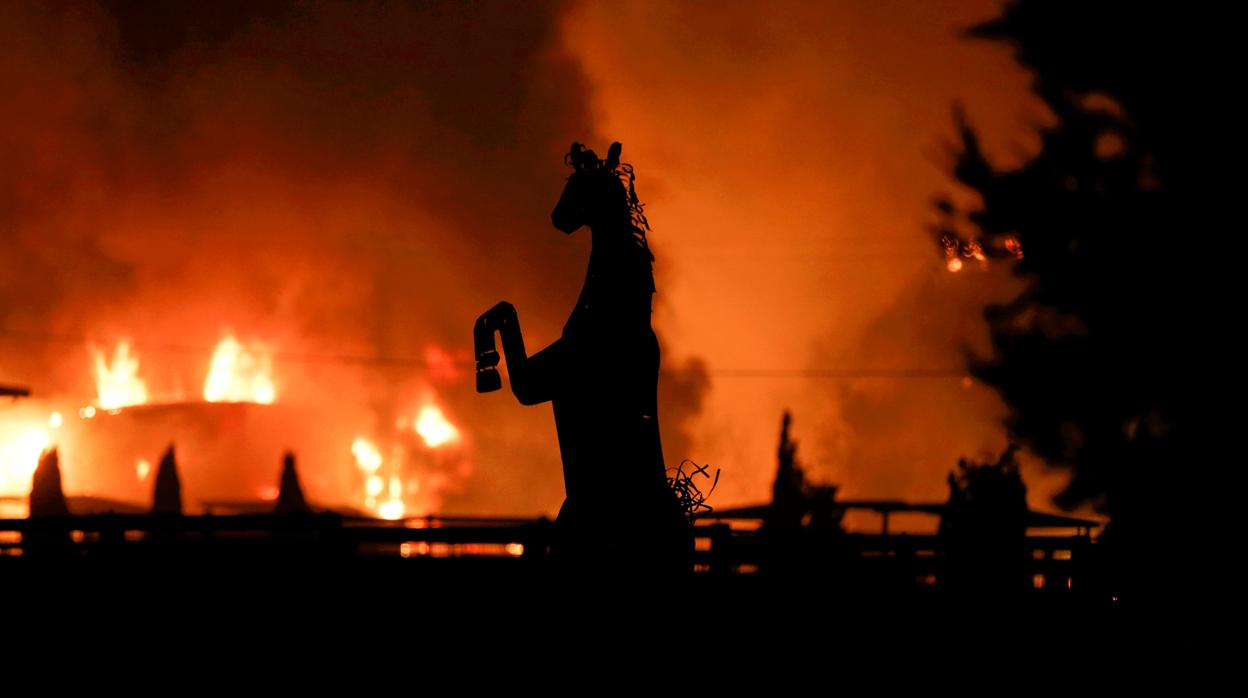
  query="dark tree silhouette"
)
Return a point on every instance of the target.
[
  {"x": 796, "y": 501},
  {"x": 987, "y": 496},
  {"x": 290, "y": 499},
  {"x": 802, "y": 526},
  {"x": 167, "y": 495},
  {"x": 46, "y": 496},
  {"x": 984, "y": 525},
  {"x": 1101, "y": 357}
]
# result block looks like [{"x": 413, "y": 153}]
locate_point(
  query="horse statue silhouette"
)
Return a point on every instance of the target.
[{"x": 601, "y": 376}]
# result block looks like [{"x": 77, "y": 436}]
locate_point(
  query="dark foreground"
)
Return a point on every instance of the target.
[{"x": 236, "y": 569}]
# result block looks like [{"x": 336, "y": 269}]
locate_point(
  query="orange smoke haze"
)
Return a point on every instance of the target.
[
  {"x": 347, "y": 186},
  {"x": 791, "y": 151}
]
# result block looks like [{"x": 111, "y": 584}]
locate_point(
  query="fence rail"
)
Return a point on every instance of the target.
[{"x": 897, "y": 562}]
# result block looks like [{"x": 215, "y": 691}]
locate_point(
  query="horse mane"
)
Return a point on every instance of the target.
[{"x": 582, "y": 159}]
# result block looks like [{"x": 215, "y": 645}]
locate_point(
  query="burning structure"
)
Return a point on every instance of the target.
[{"x": 228, "y": 442}]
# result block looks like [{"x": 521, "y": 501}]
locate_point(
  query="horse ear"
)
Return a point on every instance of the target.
[{"x": 613, "y": 155}]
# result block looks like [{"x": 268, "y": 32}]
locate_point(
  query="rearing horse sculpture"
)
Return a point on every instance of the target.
[{"x": 601, "y": 376}]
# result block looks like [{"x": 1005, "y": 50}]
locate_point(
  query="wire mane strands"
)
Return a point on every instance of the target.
[{"x": 584, "y": 160}]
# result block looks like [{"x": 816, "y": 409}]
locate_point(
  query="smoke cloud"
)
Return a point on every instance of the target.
[{"x": 344, "y": 181}]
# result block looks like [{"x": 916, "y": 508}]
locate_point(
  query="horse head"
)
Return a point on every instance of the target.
[{"x": 596, "y": 192}]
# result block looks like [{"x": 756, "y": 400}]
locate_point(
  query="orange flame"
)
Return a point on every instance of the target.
[
  {"x": 434, "y": 427},
  {"x": 117, "y": 382},
  {"x": 239, "y": 374},
  {"x": 1014, "y": 247},
  {"x": 393, "y": 508},
  {"x": 975, "y": 251},
  {"x": 368, "y": 459},
  {"x": 19, "y": 456}
]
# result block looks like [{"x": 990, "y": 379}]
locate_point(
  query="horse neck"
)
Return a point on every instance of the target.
[
  {"x": 616, "y": 233},
  {"x": 620, "y": 282}
]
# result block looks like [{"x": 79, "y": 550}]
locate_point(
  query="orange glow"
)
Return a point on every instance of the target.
[
  {"x": 55, "y": 420},
  {"x": 956, "y": 252},
  {"x": 975, "y": 251},
  {"x": 117, "y": 383},
  {"x": 19, "y": 456},
  {"x": 434, "y": 428},
  {"x": 391, "y": 509},
  {"x": 442, "y": 365},
  {"x": 239, "y": 374},
  {"x": 369, "y": 461},
  {"x": 1014, "y": 247},
  {"x": 816, "y": 189},
  {"x": 414, "y": 549},
  {"x": 142, "y": 469},
  {"x": 367, "y": 457}
]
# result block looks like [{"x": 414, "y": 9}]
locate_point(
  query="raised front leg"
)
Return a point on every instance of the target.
[{"x": 534, "y": 379}]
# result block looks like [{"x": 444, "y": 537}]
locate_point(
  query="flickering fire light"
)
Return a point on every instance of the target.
[
  {"x": 117, "y": 381},
  {"x": 239, "y": 374},
  {"x": 19, "y": 456},
  {"x": 434, "y": 428}
]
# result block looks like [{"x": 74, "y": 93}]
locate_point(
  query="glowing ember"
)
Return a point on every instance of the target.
[
  {"x": 434, "y": 428},
  {"x": 143, "y": 468},
  {"x": 1014, "y": 247},
  {"x": 19, "y": 456},
  {"x": 117, "y": 382},
  {"x": 958, "y": 251},
  {"x": 239, "y": 374},
  {"x": 975, "y": 251}
]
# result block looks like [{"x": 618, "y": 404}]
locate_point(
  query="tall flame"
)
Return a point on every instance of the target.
[
  {"x": 117, "y": 382},
  {"x": 239, "y": 374}
]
